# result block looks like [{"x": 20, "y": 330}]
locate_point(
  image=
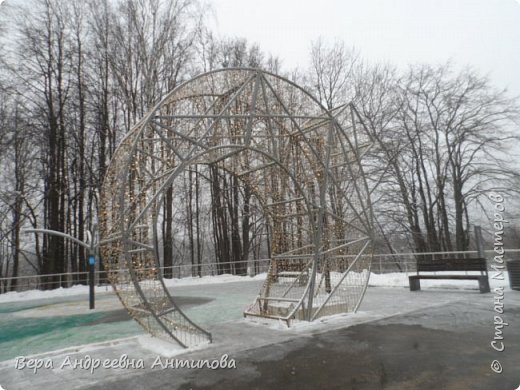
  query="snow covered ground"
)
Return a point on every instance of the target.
[
  {"x": 83, "y": 290},
  {"x": 58, "y": 326},
  {"x": 234, "y": 336},
  {"x": 395, "y": 279},
  {"x": 399, "y": 279},
  {"x": 29, "y": 326},
  {"x": 33, "y": 322}
]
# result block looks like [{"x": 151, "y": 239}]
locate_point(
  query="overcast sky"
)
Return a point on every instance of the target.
[{"x": 481, "y": 33}]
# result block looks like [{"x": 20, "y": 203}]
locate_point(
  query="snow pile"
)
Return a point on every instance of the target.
[
  {"x": 224, "y": 278},
  {"x": 84, "y": 290},
  {"x": 159, "y": 346},
  {"x": 399, "y": 279},
  {"x": 29, "y": 295},
  {"x": 322, "y": 323}
]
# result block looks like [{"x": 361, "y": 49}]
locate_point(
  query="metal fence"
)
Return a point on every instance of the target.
[
  {"x": 40, "y": 282},
  {"x": 381, "y": 263},
  {"x": 407, "y": 262}
]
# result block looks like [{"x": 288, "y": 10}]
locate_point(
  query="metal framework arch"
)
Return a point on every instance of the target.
[{"x": 301, "y": 165}]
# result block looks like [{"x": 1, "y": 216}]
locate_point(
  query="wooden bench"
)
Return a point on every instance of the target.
[{"x": 446, "y": 265}]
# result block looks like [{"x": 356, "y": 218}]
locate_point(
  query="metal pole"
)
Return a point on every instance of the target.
[
  {"x": 480, "y": 246},
  {"x": 91, "y": 245},
  {"x": 91, "y": 277},
  {"x": 93, "y": 249},
  {"x": 478, "y": 241}
]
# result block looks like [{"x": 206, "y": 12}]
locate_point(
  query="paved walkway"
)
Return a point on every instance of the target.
[{"x": 432, "y": 339}]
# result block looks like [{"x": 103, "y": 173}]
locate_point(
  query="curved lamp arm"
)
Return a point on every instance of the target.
[{"x": 59, "y": 234}]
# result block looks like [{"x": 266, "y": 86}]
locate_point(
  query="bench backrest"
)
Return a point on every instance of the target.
[{"x": 473, "y": 264}]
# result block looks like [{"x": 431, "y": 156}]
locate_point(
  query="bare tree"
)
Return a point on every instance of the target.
[
  {"x": 440, "y": 136},
  {"x": 331, "y": 73}
]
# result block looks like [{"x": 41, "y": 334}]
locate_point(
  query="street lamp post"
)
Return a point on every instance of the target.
[{"x": 91, "y": 244}]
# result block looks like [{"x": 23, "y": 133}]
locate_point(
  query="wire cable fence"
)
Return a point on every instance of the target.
[
  {"x": 407, "y": 262},
  {"x": 381, "y": 264},
  {"x": 181, "y": 271}
]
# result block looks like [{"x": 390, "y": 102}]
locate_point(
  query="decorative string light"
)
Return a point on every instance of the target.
[{"x": 278, "y": 141}]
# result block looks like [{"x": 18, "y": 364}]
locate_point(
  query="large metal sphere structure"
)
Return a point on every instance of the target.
[{"x": 299, "y": 163}]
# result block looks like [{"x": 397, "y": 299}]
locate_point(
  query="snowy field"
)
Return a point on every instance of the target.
[{"x": 33, "y": 322}]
